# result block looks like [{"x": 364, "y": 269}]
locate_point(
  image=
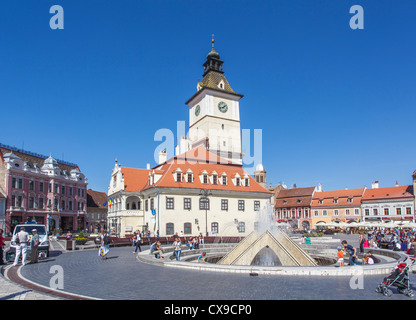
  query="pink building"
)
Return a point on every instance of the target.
[{"x": 42, "y": 189}]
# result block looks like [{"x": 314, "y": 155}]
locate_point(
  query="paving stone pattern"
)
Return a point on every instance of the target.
[{"x": 123, "y": 277}]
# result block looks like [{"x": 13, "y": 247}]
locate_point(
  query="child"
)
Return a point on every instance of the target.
[
  {"x": 202, "y": 256},
  {"x": 340, "y": 255}
]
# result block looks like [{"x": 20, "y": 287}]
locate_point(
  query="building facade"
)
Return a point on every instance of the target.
[
  {"x": 186, "y": 194},
  {"x": 294, "y": 206},
  {"x": 390, "y": 203},
  {"x": 337, "y": 206},
  {"x": 42, "y": 189},
  {"x": 97, "y": 207}
]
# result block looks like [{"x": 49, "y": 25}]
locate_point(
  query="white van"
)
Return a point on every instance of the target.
[{"x": 43, "y": 248}]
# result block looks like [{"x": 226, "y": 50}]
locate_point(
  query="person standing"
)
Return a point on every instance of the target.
[
  {"x": 362, "y": 239},
  {"x": 177, "y": 248},
  {"x": 21, "y": 239},
  {"x": 1, "y": 246},
  {"x": 138, "y": 242},
  {"x": 34, "y": 244},
  {"x": 340, "y": 256}
]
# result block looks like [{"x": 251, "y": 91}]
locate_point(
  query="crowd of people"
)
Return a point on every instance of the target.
[
  {"x": 192, "y": 242},
  {"x": 394, "y": 239}
]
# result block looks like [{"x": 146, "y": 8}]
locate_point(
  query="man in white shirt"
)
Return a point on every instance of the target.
[{"x": 21, "y": 238}]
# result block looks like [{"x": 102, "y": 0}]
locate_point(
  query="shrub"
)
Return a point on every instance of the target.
[{"x": 80, "y": 240}]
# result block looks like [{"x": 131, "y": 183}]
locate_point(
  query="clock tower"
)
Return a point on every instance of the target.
[{"x": 214, "y": 112}]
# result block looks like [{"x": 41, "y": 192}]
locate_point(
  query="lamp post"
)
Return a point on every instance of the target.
[{"x": 205, "y": 194}]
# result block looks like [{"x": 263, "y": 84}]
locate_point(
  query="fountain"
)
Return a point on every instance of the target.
[
  {"x": 267, "y": 245},
  {"x": 268, "y": 250}
]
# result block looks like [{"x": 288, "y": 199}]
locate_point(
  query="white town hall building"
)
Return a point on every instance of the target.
[{"x": 203, "y": 188}]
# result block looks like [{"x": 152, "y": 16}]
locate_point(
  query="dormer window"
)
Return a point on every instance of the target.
[
  {"x": 247, "y": 182},
  {"x": 335, "y": 201},
  {"x": 214, "y": 179},
  {"x": 224, "y": 180},
  {"x": 320, "y": 201},
  {"x": 205, "y": 179},
  {"x": 190, "y": 177},
  {"x": 350, "y": 200},
  {"x": 177, "y": 175},
  {"x": 237, "y": 181}
]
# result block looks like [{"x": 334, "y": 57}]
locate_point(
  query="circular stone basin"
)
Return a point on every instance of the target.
[{"x": 325, "y": 259}]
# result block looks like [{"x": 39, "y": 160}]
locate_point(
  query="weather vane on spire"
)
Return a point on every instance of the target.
[{"x": 213, "y": 40}]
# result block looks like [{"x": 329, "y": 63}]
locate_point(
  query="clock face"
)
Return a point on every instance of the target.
[
  {"x": 222, "y": 106},
  {"x": 197, "y": 110}
]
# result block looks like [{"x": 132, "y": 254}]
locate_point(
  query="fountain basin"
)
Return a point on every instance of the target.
[{"x": 189, "y": 258}]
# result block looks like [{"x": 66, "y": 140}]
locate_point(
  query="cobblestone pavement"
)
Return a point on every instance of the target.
[
  {"x": 13, "y": 291},
  {"x": 123, "y": 277}
]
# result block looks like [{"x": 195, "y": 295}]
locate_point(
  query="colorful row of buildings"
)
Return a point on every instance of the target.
[
  {"x": 303, "y": 208},
  {"x": 202, "y": 188},
  {"x": 41, "y": 189}
]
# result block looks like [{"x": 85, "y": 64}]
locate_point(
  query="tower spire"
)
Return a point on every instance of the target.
[{"x": 213, "y": 63}]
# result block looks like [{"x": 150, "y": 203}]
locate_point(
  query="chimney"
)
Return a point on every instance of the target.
[
  {"x": 374, "y": 185},
  {"x": 148, "y": 166},
  {"x": 162, "y": 156},
  {"x": 397, "y": 184},
  {"x": 294, "y": 186},
  {"x": 319, "y": 188}
]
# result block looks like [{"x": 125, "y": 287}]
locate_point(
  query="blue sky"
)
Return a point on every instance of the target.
[{"x": 336, "y": 105}]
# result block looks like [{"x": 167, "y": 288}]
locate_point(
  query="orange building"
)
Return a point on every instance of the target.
[{"x": 337, "y": 206}]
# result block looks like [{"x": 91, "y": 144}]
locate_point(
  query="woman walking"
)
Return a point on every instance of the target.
[
  {"x": 177, "y": 248},
  {"x": 105, "y": 245}
]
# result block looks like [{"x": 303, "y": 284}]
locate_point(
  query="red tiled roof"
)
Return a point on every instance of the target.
[
  {"x": 327, "y": 198},
  {"x": 197, "y": 160},
  {"x": 296, "y": 192},
  {"x": 199, "y": 154},
  {"x": 389, "y": 193},
  {"x": 96, "y": 199},
  {"x": 295, "y": 197},
  {"x": 134, "y": 179}
]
